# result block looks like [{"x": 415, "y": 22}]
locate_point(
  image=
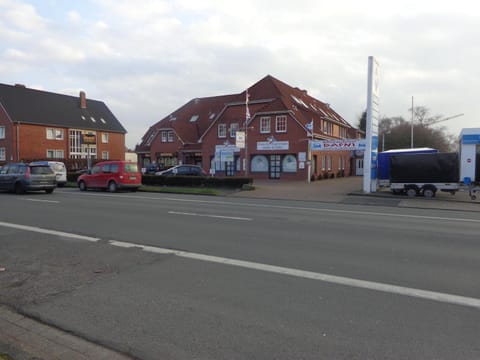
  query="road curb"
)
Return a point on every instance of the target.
[{"x": 24, "y": 338}]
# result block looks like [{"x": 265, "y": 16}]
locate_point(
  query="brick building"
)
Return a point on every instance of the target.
[
  {"x": 277, "y": 133},
  {"x": 37, "y": 125}
]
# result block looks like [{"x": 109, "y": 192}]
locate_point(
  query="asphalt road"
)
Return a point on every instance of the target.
[{"x": 196, "y": 277}]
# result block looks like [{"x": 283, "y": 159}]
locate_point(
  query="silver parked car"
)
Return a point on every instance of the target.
[{"x": 21, "y": 177}]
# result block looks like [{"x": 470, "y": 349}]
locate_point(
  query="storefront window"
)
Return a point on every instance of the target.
[
  {"x": 289, "y": 163},
  {"x": 259, "y": 163}
]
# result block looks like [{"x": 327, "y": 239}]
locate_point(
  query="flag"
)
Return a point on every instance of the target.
[
  {"x": 309, "y": 126},
  {"x": 247, "y": 111}
]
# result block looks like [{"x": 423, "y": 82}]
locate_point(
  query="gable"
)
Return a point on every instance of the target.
[{"x": 193, "y": 121}]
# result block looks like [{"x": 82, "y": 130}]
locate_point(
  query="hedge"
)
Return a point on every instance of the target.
[
  {"x": 196, "y": 181},
  {"x": 191, "y": 181}
]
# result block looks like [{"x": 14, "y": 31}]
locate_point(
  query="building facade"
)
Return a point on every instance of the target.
[
  {"x": 39, "y": 125},
  {"x": 263, "y": 133}
]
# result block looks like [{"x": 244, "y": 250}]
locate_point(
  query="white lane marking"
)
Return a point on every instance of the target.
[
  {"x": 268, "y": 206},
  {"x": 46, "y": 231},
  {"x": 356, "y": 212},
  {"x": 340, "y": 280},
  {"x": 370, "y": 285},
  {"x": 211, "y": 216},
  {"x": 39, "y": 200}
]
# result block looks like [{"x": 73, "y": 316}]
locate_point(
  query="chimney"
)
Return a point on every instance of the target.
[{"x": 83, "y": 100}]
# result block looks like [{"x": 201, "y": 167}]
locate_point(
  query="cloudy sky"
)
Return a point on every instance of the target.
[{"x": 146, "y": 58}]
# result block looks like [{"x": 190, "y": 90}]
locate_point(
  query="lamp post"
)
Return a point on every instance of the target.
[
  {"x": 247, "y": 119},
  {"x": 411, "y": 128},
  {"x": 309, "y": 127}
]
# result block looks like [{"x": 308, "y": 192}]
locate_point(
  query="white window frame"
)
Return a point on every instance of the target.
[
  {"x": 164, "y": 136},
  {"x": 170, "y": 136},
  {"x": 222, "y": 130},
  {"x": 279, "y": 121},
  {"x": 54, "y": 134},
  {"x": 2, "y": 132},
  {"x": 75, "y": 144},
  {"x": 265, "y": 125},
  {"x": 233, "y": 130},
  {"x": 50, "y": 133},
  {"x": 3, "y": 155},
  {"x": 55, "y": 154},
  {"x": 105, "y": 155},
  {"x": 105, "y": 138}
]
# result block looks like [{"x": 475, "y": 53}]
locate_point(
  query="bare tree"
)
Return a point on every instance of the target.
[{"x": 395, "y": 134}]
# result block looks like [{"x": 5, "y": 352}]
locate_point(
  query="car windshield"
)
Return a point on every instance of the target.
[
  {"x": 131, "y": 168},
  {"x": 40, "y": 170},
  {"x": 57, "y": 167}
]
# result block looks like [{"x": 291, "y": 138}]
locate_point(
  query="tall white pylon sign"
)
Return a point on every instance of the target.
[{"x": 371, "y": 150}]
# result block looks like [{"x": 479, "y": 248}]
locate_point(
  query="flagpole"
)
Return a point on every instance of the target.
[
  {"x": 309, "y": 169},
  {"x": 247, "y": 117}
]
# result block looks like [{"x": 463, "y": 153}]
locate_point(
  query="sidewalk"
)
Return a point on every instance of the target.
[
  {"x": 349, "y": 190},
  {"x": 22, "y": 338}
]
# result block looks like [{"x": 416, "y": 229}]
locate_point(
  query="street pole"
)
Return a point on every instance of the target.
[
  {"x": 411, "y": 128},
  {"x": 247, "y": 118},
  {"x": 309, "y": 162},
  {"x": 246, "y": 150}
]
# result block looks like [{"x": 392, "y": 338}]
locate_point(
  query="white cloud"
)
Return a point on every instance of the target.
[
  {"x": 146, "y": 58},
  {"x": 74, "y": 16}
]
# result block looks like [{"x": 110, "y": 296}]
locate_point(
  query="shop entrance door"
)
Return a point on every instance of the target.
[{"x": 275, "y": 166}]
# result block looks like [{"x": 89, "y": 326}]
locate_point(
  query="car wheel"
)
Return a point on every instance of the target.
[
  {"x": 112, "y": 186},
  {"x": 82, "y": 186},
  {"x": 49, "y": 191},
  {"x": 19, "y": 188}
]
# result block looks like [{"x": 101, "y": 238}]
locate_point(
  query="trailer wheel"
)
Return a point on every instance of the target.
[
  {"x": 429, "y": 191},
  {"x": 411, "y": 191}
]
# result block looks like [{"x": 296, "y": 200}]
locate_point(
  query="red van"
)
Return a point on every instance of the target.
[{"x": 111, "y": 175}]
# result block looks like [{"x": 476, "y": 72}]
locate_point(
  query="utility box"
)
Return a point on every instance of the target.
[{"x": 470, "y": 154}]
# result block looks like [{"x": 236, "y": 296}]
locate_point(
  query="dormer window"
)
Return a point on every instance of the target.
[{"x": 299, "y": 101}]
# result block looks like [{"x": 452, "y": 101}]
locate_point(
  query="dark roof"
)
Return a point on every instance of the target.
[{"x": 38, "y": 107}]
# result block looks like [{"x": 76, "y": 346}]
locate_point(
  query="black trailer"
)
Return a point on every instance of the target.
[{"x": 424, "y": 174}]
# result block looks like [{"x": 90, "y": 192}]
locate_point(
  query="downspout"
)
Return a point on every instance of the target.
[{"x": 18, "y": 141}]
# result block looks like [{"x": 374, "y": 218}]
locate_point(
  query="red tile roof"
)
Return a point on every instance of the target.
[{"x": 191, "y": 121}]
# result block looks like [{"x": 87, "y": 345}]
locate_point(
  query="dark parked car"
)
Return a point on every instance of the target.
[
  {"x": 152, "y": 168},
  {"x": 183, "y": 170},
  {"x": 21, "y": 177}
]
